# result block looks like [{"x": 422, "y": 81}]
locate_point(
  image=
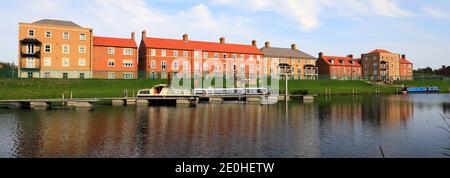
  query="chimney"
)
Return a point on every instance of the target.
[
  {"x": 267, "y": 44},
  {"x": 222, "y": 40},
  {"x": 133, "y": 35},
  {"x": 144, "y": 34},
  {"x": 254, "y": 43},
  {"x": 294, "y": 46},
  {"x": 403, "y": 56},
  {"x": 350, "y": 56},
  {"x": 185, "y": 37},
  {"x": 320, "y": 55}
]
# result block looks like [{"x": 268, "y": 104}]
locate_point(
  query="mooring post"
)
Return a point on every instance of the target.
[{"x": 71, "y": 95}]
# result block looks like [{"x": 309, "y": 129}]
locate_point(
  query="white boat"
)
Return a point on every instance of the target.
[
  {"x": 268, "y": 100},
  {"x": 163, "y": 90}
]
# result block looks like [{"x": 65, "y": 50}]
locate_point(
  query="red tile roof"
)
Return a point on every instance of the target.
[
  {"x": 337, "y": 59},
  {"x": 161, "y": 43},
  {"x": 404, "y": 61},
  {"x": 114, "y": 42},
  {"x": 379, "y": 51}
]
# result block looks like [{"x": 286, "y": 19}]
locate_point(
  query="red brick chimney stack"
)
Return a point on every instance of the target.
[
  {"x": 222, "y": 40},
  {"x": 133, "y": 35},
  {"x": 144, "y": 34},
  {"x": 267, "y": 44},
  {"x": 294, "y": 46},
  {"x": 254, "y": 43},
  {"x": 185, "y": 37}
]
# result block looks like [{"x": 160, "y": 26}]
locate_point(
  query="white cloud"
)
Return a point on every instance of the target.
[
  {"x": 436, "y": 12},
  {"x": 307, "y": 13}
]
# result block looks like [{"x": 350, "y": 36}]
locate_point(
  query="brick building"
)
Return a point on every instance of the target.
[
  {"x": 115, "y": 58},
  {"x": 162, "y": 58},
  {"x": 339, "y": 68},
  {"x": 406, "y": 69}
]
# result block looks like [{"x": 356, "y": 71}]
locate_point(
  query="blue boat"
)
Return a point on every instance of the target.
[{"x": 430, "y": 89}]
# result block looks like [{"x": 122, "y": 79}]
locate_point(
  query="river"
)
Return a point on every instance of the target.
[{"x": 330, "y": 127}]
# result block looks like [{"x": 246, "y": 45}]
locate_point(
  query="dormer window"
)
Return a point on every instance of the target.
[
  {"x": 332, "y": 61},
  {"x": 341, "y": 61}
]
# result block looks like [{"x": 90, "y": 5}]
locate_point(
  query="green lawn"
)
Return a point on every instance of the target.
[
  {"x": 336, "y": 87},
  {"x": 443, "y": 85},
  {"x": 54, "y": 88}
]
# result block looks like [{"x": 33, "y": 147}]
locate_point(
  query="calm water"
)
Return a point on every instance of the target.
[{"x": 405, "y": 126}]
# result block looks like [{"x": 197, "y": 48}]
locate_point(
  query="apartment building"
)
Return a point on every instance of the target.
[
  {"x": 115, "y": 58},
  {"x": 296, "y": 63},
  {"x": 406, "y": 68},
  {"x": 339, "y": 67},
  {"x": 162, "y": 58},
  {"x": 381, "y": 65},
  {"x": 54, "y": 49}
]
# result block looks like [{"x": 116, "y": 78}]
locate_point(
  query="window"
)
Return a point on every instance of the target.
[
  {"x": 205, "y": 66},
  {"x": 196, "y": 66},
  {"x": 242, "y": 68},
  {"x": 127, "y": 51},
  {"x": 82, "y": 49},
  {"x": 111, "y": 51},
  {"x": 216, "y": 55},
  {"x": 234, "y": 56},
  {"x": 66, "y": 49},
  {"x": 65, "y": 62},
  {"x": 47, "y": 48},
  {"x": 30, "y": 74},
  {"x": 111, "y": 75},
  {"x": 251, "y": 57},
  {"x": 242, "y": 57},
  {"x": 66, "y": 35},
  {"x": 65, "y": 75},
  {"x": 185, "y": 65},
  {"x": 175, "y": 65},
  {"x": 250, "y": 68},
  {"x": 153, "y": 52},
  {"x": 163, "y": 65},
  {"x": 224, "y": 56},
  {"x": 83, "y": 36},
  {"x": 111, "y": 63},
  {"x": 163, "y": 53},
  {"x": 216, "y": 67},
  {"x": 30, "y": 48},
  {"x": 175, "y": 53},
  {"x": 48, "y": 34},
  {"x": 196, "y": 55},
  {"x": 47, "y": 62},
  {"x": 81, "y": 75},
  {"x": 81, "y": 62},
  {"x": 128, "y": 75},
  {"x": 224, "y": 67},
  {"x": 185, "y": 54},
  {"x": 47, "y": 75},
  {"x": 30, "y": 33},
  {"x": 127, "y": 63},
  {"x": 205, "y": 55},
  {"x": 258, "y": 58},
  {"x": 30, "y": 63},
  {"x": 153, "y": 64}
]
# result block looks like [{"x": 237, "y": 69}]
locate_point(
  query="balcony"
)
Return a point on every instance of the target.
[{"x": 36, "y": 54}]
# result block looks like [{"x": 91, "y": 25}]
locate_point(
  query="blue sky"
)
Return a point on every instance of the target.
[{"x": 420, "y": 29}]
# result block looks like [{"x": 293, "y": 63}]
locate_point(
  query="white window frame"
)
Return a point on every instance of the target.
[
  {"x": 153, "y": 64},
  {"x": 127, "y": 51},
  {"x": 80, "y": 49},
  {"x": 30, "y": 62},
  {"x": 48, "y": 36},
  {"x": 31, "y": 30},
  {"x": 127, "y": 75},
  {"x": 82, "y": 62},
  {"x": 127, "y": 63},
  {"x": 65, "y": 62},
  {"x": 163, "y": 53},
  {"x": 66, "y": 37},
  {"x": 83, "y": 36},
  {"x": 185, "y": 54},
  {"x": 111, "y": 75},
  {"x": 163, "y": 65},
  {"x": 45, "y": 48},
  {"x": 47, "y": 61},
  {"x": 205, "y": 55},
  {"x": 185, "y": 65},
  {"x": 175, "y": 65},
  {"x": 68, "y": 49},
  {"x": 111, "y": 50},
  {"x": 111, "y": 61},
  {"x": 196, "y": 55},
  {"x": 152, "y": 52},
  {"x": 175, "y": 53},
  {"x": 216, "y": 55}
]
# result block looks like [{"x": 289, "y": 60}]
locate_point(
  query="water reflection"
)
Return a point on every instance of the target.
[{"x": 329, "y": 127}]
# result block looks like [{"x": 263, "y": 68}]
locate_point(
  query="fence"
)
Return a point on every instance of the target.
[{"x": 8, "y": 72}]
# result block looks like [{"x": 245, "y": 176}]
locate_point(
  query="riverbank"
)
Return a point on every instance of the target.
[{"x": 54, "y": 88}]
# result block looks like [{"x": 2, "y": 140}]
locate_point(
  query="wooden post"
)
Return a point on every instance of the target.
[{"x": 71, "y": 95}]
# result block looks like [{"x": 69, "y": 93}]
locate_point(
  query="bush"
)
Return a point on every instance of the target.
[{"x": 299, "y": 92}]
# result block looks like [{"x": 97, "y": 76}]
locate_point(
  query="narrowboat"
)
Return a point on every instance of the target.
[{"x": 429, "y": 89}]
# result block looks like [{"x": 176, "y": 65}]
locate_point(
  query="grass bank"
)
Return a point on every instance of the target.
[
  {"x": 54, "y": 88},
  {"x": 336, "y": 87}
]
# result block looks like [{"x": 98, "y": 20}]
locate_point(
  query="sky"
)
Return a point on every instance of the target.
[{"x": 418, "y": 28}]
